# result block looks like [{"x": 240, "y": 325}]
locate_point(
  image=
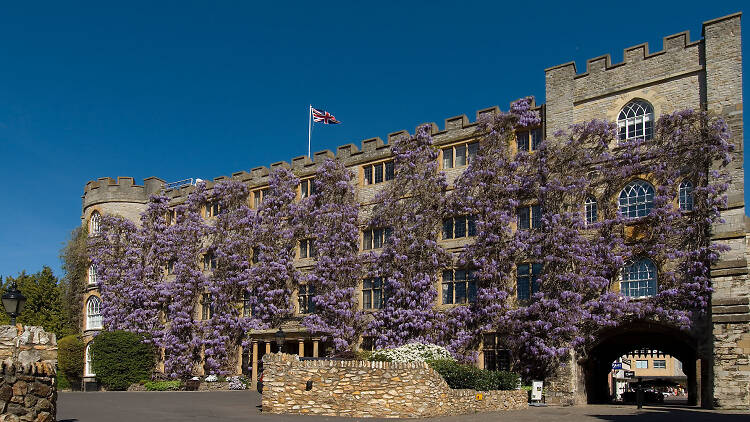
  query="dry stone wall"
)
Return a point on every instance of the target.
[
  {"x": 27, "y": 374},
  {"x": 371, "y": 389}
]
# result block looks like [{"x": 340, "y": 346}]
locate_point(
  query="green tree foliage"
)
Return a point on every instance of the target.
[
  {"x": 70, "y": 359},
  {"x": 121, "y": 358},
  {"x": 75, "y": 264},
  {"x": 44, "y": 302}
]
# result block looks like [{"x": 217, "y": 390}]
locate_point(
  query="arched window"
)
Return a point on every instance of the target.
[
  {"x": 88, "y": 367},
  {"x": 686, "y": 196},
  {"x": 638, "y": 278},
  {"x": 95, "y": 223},
  {"x": 636, "y": 199},
  {"x": 92, "y": 274},
  {"x": 94, "y": 313},
  {"x": 636, "y": 120},
  {"x": 591, "y": 210}
]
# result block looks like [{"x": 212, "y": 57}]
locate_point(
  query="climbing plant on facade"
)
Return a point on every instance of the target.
[
  {"x": 335, "y": 230},
  {"x": 181, "y": 339},
  {"x": 410, "y": 208},
  {"x": 273, "y": 273},
  {"x": 231, "y": 243}
]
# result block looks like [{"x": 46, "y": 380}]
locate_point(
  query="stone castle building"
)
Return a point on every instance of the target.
[{"x": 704, "y": 74}]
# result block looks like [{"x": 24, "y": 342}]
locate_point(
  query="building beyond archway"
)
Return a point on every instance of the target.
[{"x": 616, "y": 342}]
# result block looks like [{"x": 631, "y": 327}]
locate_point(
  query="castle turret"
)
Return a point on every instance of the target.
[{"x": 118, "y": 197}]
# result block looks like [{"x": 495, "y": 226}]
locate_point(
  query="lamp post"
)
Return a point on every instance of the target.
[
  {"x": 13, "y": 302},
  {"x": 280, "y": 337}
]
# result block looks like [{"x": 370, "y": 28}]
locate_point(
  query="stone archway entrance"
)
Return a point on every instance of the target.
[{"x": 617, "y": 342}]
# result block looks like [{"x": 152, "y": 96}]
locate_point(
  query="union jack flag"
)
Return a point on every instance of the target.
[{"x": 323, "y": 116}]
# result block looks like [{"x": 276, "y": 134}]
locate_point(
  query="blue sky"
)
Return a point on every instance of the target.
[{"x": 203, "y": 89}]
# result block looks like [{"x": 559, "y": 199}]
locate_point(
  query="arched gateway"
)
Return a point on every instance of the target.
[{"x": 636, "y": 338}]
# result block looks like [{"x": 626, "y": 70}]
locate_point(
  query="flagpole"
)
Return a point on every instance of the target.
[{"x": 309, "y": 129}]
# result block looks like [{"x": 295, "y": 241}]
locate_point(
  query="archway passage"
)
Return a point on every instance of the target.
[{"x": 616, "y": 342}]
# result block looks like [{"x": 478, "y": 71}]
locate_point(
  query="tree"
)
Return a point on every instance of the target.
[
  {"x": 44, "y": 306},
  {"x": 337, "y": 270},
  {"x": 75, "y": 264}
]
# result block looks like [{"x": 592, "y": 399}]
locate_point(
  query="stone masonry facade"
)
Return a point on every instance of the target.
[
  {"x": 28, "y": 390},
  {"x": 371, "y": 389},
  {"x": 685, "y": 74}
]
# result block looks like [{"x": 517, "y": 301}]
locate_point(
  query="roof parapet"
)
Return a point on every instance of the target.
[{"x": 321, "y": 156}]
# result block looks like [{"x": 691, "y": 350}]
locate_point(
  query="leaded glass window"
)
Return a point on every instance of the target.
[
  {"x": 686, "y": 196},
  {"x": 636, "y": 199},
  {"x": 638, "y": 278},
  {"x": 591, "y": 210},
  {"x": 636, "y": 120}
]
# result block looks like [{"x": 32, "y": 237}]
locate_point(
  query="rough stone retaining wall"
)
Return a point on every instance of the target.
[
  {"x": 371, "y": 389},
  {"x": 28, "y": 390}
]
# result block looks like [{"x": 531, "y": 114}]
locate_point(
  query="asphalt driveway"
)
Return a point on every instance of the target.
[{"x": 245, "y": 406}]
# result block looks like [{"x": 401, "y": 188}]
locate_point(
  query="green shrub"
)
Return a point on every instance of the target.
[
  {"x": 162, "y": 385},
  {"x": 458, "y": 376},
  {"x": 70, "y": 351},
  {"x": 378, "y": 357},
  {"x": 362, "y": 355},
  {"x": 121, "y": 358},
  {"x": 62, "y": 381},
  {"x": 461, "y": 376}
]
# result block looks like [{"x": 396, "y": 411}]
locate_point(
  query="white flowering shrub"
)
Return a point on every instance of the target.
[
  {"x": 211, "y": 378},
  {"x": 412, "y": 352},
  {"x": 236, "y": 383}
]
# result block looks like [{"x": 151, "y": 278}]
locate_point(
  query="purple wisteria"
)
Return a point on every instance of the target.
[
  {"x": 273, "y": 274},
  {"x": 410, "y": 208},
  {"x": 338, "y": 268},
  {"x": 573, "y": 260},
  {"x": 231, "y": 241}
]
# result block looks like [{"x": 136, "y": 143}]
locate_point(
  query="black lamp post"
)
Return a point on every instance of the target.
[
  {"x": 13, "y": 302},
  {"x": 280, "y": 337}
]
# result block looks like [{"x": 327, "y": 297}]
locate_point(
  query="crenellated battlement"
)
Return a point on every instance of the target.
[
  {"x": 674, "y": 44},
  {"x": 456, "y": 128},
  {"x": 122, "y": 189},
  {"x": 678, "y": 57},
  {"x": 677, "y": 68}
]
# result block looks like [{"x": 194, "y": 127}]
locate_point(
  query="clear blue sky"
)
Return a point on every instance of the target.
[{"x": 203, "y": 89}]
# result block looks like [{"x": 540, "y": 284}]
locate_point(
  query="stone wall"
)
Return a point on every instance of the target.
[
  {"x": 28, "y": 390},
  {"x": 371, "y": 389}
]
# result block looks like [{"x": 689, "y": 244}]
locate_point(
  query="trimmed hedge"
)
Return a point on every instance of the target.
[
  {"x": 121, "y": 358},
  {"x": 70, "y": 351},
  {"x": 461, "y": 376}
]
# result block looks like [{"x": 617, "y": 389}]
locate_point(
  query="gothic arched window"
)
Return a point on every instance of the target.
[
  {"x": 88, "y": 367},
  {"x": 636, "y": 120},
  {"x": 636, "y": 199},
  {"x": 686, "y": 196},
  {"x": 638, "y": 278},
  {"x": 94, "y": 313},
  {"x": 95, "y": 223}
]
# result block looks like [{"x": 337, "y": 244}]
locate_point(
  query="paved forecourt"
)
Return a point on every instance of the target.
[{"x": 245, "y": 406}]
